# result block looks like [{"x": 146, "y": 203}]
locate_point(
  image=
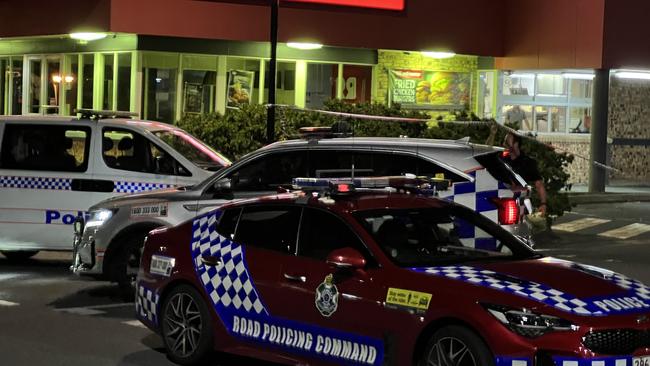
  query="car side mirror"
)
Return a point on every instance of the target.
[
  {"x": 222, "y": 189},
  {"x": 348, "y": 259}
]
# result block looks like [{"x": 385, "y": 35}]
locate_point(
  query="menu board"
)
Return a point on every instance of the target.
[
  {"x": 240, "y": 87},
  {"x": 430, "y": 89}
]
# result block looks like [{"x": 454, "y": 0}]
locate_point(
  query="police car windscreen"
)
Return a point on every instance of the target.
[
  {"x": 499, "y": 169},
  {"x": 192, "y": 149},
  {"x": 434, "y": 236}
]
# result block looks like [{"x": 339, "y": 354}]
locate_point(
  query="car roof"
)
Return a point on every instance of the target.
[
  {"x": 115, "y": 122},
  {"x": 358, "y": 201}
]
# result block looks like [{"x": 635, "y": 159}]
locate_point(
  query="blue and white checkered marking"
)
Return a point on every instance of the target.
[
  {"x": 57, "y": 184},
  {"x": 135, "y": 187},
  {"x": 633, "y": 297},
  {"x": 229, "y": 284},
  {"x": 146, "y": 304},
  {"x": 564, "y": 361}
]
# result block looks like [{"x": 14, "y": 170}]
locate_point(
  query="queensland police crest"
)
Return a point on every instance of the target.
[{"x": 327, "y": 297}]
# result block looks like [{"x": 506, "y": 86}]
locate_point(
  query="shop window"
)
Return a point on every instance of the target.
[
  {"x": 541, "y": 119},
  {"x": 45, "y": 147},
  {"x": 69, "y": 84},
  {"x": 579, "y": 120},
  {"x": 321, "y": 84},
  {"x": 88, "y": 80},
  {"x": 485, "y": 94},
  {"x": 160, "y": 94},
  {"x": 35, "y": 86},
  {"x": 551, "y": 85},
  {"x": 54, "y": 82},
  {"x": 558, "y": 119},
  {"x": 357, "y": 83},
  {"x": 199, "y": 91},
  {"x": 519, "y": 115},
  {"x": 4, "y": 84},
  {"x": 285, "y": 82},
  {"x": 123, "y": 82},
  {"x": 581, "y": 89},
  {"x": 519, "y": 84},
  {"x": 16, "y": 82},
  {"x": 108, "y": 84}
]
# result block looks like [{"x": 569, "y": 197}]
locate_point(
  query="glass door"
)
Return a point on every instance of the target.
[
  {"x": 43, "y": 85},
  {"x": 34, "y": 84},
  {"x": 53, "y": 81}
]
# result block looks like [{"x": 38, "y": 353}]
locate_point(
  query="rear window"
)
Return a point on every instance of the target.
[
  {"x": 45, "y": 147},
  {"x": 499, "y": 169}
]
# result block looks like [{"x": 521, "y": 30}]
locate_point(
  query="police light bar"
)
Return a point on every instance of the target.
[{"x": 419, "y": 185}]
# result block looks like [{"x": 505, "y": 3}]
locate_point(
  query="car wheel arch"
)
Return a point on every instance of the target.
[
  {"x": 118, "y": 241},
  {"x": 428, "y": 332}
]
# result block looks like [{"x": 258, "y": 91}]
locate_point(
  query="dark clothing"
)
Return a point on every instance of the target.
[{"x": 526, "y": 167}]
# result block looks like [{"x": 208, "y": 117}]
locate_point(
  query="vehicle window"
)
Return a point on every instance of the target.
[
  {"x": 268, "y": 172},
  {"x": 338, "y": 164},
  {"x": 269, "y": 227},
  {"x": 428, "y": 237},
  {"x": 193, "y": 149},
  {"x": 321, "y": 232},
  {"x": 128, "y": 150},
  {"x": 499, "y": 169},
  {"x": 45, "y": 147},
  {"x": 228, "y": 222}
]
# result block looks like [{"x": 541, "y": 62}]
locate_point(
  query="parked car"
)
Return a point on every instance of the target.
[
  {"x": 378, "y": 278},
  {"x": 53, "y": 168},
  {"x": 479, "y": 179}
]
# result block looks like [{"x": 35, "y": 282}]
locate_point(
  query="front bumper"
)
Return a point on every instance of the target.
[
  {"x": 549, "y": 360},
  {"x": 86, "y": 259}
]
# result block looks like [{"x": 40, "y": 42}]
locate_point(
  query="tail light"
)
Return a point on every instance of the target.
[{"x": 508, "y": 210}]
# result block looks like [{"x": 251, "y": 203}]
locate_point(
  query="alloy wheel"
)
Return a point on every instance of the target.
[
  {"x": 450, "y": 351},
  {"x": 182, "y": 325}
]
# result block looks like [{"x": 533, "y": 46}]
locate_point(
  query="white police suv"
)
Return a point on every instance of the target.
[
  {"x": 53, "y": 168},
  {"x": 111, "y": 242}
]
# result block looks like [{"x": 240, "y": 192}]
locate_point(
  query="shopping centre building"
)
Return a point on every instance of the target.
[{"x": 542, "y": 63}]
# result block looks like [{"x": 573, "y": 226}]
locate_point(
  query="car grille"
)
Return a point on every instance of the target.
[{"x": 616, "y": 341}]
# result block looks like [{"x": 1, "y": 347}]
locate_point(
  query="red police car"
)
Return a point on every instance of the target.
[{"x": 380, "y": 277}]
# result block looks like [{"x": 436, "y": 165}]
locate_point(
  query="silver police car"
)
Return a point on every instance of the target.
[{"x": 109, "y": 242}]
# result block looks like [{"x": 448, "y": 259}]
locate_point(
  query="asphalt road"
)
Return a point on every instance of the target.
[{"x": 50, "y": 317}]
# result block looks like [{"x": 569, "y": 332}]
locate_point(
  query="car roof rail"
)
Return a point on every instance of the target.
[
  {"x": 94, "y": 114},
  {"x": 338, "y": 129}
]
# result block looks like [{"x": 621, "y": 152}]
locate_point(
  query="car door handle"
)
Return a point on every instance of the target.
[
  {"x": 295, "y": 278},
  {"x": 210, "y": 260}
]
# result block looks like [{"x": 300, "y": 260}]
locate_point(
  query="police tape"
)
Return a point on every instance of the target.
[{"x": 422, "y": 120}]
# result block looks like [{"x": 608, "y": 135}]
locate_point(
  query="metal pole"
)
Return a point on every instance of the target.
[
  {"x": 597, "y": 175},
  {"x": 270, "y": 117}
]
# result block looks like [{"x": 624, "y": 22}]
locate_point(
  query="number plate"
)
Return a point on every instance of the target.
[{"x": 641, "y": 361}]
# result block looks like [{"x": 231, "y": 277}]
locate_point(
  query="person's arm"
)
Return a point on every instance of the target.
[{"x": 541, "y": 192}]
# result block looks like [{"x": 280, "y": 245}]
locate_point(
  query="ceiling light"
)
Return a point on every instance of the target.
[
  {"x": 305, "y": 46},
  {"x": 633, "y": 75},
  {"x": 56, "y": 79},
  {"x": 522, "y": 75},
  {"x": 578, "y": 76},
  {"x": 438, "y": 54},
  {"x": 88, "y": 36}
]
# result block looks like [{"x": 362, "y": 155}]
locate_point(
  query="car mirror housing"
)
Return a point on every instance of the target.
[
  {"x": 222, "y": 189},
  {"x": 346, "y": 259}
]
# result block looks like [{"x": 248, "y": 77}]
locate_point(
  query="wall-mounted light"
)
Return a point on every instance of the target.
[
  {"x": 438, "y": 54},
  {"x": 578, "y": 76},
  {"x": 638, "y": 75},
  {"x": 304, "y": 45},
  {"x": 88, "y": 36}
]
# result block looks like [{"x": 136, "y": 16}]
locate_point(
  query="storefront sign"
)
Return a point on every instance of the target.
[
  {"x": 240, "y": 87},
  {"x": 373, "y": 4},
  {"x": 430, "y": 89}
]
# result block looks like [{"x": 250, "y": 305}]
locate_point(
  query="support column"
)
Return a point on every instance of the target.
[{"x": 599, "y": 120}]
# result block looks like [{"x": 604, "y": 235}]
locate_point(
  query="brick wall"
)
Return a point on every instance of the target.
[
  {"x": 629, "y": 119},
  {"x": 414, "y": 60},
  {"x": 577, "y": 144}
]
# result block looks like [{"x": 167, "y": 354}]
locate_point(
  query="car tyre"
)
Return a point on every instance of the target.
[
  {"x": 19, "y": 255},
  {"x": 186, "y": 326},
  {"x": 456, "y": 346},
  {"x": 125, "y": 264}
]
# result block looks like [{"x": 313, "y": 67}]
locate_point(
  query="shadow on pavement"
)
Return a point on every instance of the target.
[{"x": 102, "y": 294}]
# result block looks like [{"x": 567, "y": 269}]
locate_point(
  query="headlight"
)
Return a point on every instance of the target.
[
  {"x": 526, "y": 323},
  {"x": 97, "y": 218}
]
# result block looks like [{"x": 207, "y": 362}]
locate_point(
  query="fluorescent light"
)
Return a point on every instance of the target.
[
  {"x": 579, "y": 76},
  {"x": 88, "y": 36},
  {"x": 438, "y": 54},
  {"x": 633, "y": 75},
  {"x": 522, "y": 75},
  {"x": 304, "y": 46}
]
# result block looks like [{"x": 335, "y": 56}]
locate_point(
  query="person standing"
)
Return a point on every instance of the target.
[
  {"x": 516, "y": 115},
  {"x": 526, "y": 167}
]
